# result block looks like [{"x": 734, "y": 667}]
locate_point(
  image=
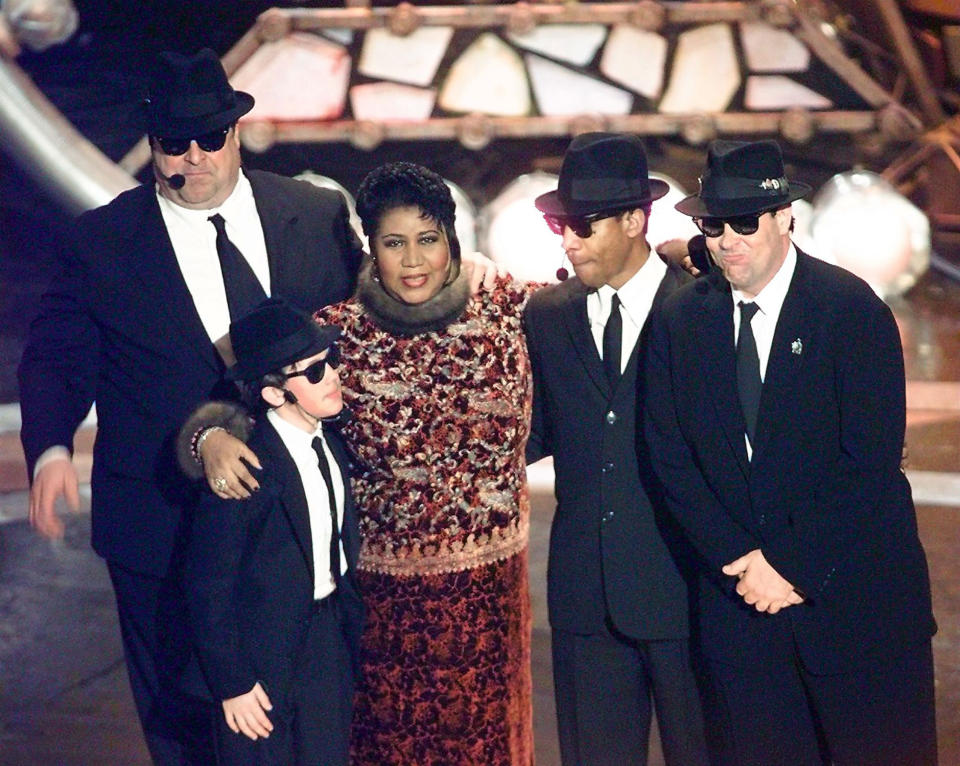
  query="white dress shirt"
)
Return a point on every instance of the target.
[
  {"x": 636, "y": 298},
  {"x": 194, "y": 241},
  {"x": 299, "y": 444},
  {"x": 764, "y": 323}
]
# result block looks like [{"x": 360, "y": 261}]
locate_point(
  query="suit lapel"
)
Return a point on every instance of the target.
[
  {"x": 164, "y": 289},
  {"x": 786, "y": 358},
  {"x": 277, "y": 221},
  {"x": 577, "y": 326},
  {"x": 718, "y": 359},
  {"x": 291, "y": 494}
]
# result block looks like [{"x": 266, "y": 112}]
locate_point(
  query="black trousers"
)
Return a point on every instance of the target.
[
  {"x": 606, "y": 686},
  {"x": 311, "y": 720},
  {"x": 178, "y": 729},
  {"x": 775, "y": 713}
]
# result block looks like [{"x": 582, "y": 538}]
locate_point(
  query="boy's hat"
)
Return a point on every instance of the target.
[{"x": 273, "y": 335}]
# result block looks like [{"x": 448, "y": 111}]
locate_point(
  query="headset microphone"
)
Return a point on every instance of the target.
[
  {"x": 289, "y": 396},
  {"x": 562, "y": 273},
  {"x": 175, "y": 181}
]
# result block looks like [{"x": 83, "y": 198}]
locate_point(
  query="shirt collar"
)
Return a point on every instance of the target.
[
  {"x": 234, "y": 208},
  {"x": 771, "y": 297},
  {"x": 291, "y": 434},
  {"x": 635, "y": 294}
]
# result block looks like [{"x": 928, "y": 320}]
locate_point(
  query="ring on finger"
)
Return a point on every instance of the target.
[{"x": 220, "y": 484}]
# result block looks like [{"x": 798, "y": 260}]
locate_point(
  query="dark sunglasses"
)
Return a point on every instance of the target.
[
  {"x": 581, "y": 225},
  {"x": 208, "y": 142},
  {"x": 314, "y": 373},
  {"x": 741, "y": 224}
]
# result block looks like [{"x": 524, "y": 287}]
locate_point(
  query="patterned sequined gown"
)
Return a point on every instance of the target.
[{"x": 441, "y": 420}]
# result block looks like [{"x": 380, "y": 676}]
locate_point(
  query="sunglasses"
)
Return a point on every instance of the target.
[
  {"x": 581, "y": 225},
  {"x": 741, "y": 224},
  {"x": 208, "y": 142},
  {"x": 314, "y": 373}
]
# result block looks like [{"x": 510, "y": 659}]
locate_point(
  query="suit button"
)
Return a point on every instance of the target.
[
  {"x": 607, "y": 467},
  {"x": 611, "y": 417}
]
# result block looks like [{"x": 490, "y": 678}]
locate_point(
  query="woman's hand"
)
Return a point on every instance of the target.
[{"x": 226, "y": 465}]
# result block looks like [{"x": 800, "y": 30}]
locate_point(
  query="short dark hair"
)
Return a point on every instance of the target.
[
  {"x": 250, "y": 390},
  {"x": 406, "y": 184}
]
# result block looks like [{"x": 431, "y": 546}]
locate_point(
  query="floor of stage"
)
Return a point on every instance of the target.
[{"x": 63, "y": 686}]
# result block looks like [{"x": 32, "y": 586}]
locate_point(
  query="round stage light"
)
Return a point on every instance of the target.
[{"x": 865, "y": 225}]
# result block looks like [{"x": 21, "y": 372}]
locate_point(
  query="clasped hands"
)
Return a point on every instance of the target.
[{"x": 760, "y": 584}]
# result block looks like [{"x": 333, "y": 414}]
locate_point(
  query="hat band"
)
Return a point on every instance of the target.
[
  {"x": 199, "y": 104},
  {"x": 606, "y": 189},
  {"x": 732, "y": 187}
]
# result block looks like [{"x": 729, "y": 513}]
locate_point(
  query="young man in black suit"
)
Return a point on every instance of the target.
[
  {"x": 136, "y": 319},
  {"x": 617, "y": 600},
  {"x": 775, "y": 415},
  {"x": 274, "y": 613}
]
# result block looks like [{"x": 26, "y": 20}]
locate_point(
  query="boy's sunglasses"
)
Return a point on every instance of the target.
[
  {"x": 314, "y": 373},
  {"x": 581, "y": 225},
  {"x": 741, "y": 224},
  {"x": 208, "y": 142}
]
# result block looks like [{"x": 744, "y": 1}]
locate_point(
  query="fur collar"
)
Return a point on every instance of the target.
[{"x": 404, "y": 319}]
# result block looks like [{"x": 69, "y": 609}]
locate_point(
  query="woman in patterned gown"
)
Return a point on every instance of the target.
[{"x": 440, "y": 387}]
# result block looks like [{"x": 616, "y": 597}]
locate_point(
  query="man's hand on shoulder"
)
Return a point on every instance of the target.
[
  {"x": 482, "y": 272},
  {"x": 675, "y": 253},
  {"x": 56, "y": 478}
]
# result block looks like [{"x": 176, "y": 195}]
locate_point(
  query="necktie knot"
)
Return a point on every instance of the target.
[{"x": 748, "y": 310}]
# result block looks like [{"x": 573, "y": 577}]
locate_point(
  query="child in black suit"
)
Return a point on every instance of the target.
[{"x": 274, "y": 613}]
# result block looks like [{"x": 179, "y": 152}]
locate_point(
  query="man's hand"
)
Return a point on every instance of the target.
[
  {"x": 247, "y": 714},
  {"x": 223, "y": 457},
  {"x": 760, "y": 584},
  {"x": 482, "y": 271},
  {"x": 674, "y": 252},
  {"x": 58, "y": 477}
]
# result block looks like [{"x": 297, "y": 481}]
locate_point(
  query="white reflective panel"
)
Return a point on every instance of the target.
[
  {"x": 666, "y": 222},
  {"x": 466, "y": 214},
  {"x": 489, "y": 77},
  {"x": 39, "y": 24},
  {"x": 514, "y": 234},
  {"x": 635, "y": 58},
  {"x": 768, "y": 49},
  {"x": 705, "y": 74},
  {"x": 574, "y": 43},
  {"x": 778, "y": 92},
  {"x": 325, "y": 182},
  {"x": 802, "y": 216},
  {"x": 412, "y": 59},
  {"x": 275, "y": 75},
  {"x": 342, "y": 36},
  {"x": 391, "y": 102},
  {"x": 560, "y": 91},
  {"x": 866, "y": 226}
]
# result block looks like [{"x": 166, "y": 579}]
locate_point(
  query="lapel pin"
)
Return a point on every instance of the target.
[{"x": 797, "y": 347}]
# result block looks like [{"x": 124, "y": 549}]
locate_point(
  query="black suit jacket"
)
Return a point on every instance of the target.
[
  {"x": 118, "y": 325},
  {"x": 607, "y": 541},
  {"x": 824, "y": 497},
  {"x": 249, "y": 577}
]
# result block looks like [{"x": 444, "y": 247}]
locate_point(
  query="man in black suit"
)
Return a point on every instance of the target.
[
  {"x": 775, "y": 415},
  {"x": 269, "y": 582},
  {"x": 136, "y": 319},
  {"x": 617, "y": 601}
]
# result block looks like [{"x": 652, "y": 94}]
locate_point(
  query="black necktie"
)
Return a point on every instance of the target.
[
  {"x": 244, "y": 291},
  {"x": 612, "y": 341},
  {"x": 335, "y": 533},
  {"x": 748, "y": 369}
]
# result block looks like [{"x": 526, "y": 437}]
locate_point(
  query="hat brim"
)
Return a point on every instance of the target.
[
  {"x": 196, "y": 126},
  {"x": 322, "y": 336},
  {"x": 697, "y": 207},
  {"x": 551, "y": 204}
]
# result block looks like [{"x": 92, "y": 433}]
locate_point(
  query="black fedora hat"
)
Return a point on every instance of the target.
[
  {"x": 742, "y": 177},
  {"x": 273, "y": 335},
  {"x": 191, "y": 95},
  {"x": 600, "y": 172}
]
